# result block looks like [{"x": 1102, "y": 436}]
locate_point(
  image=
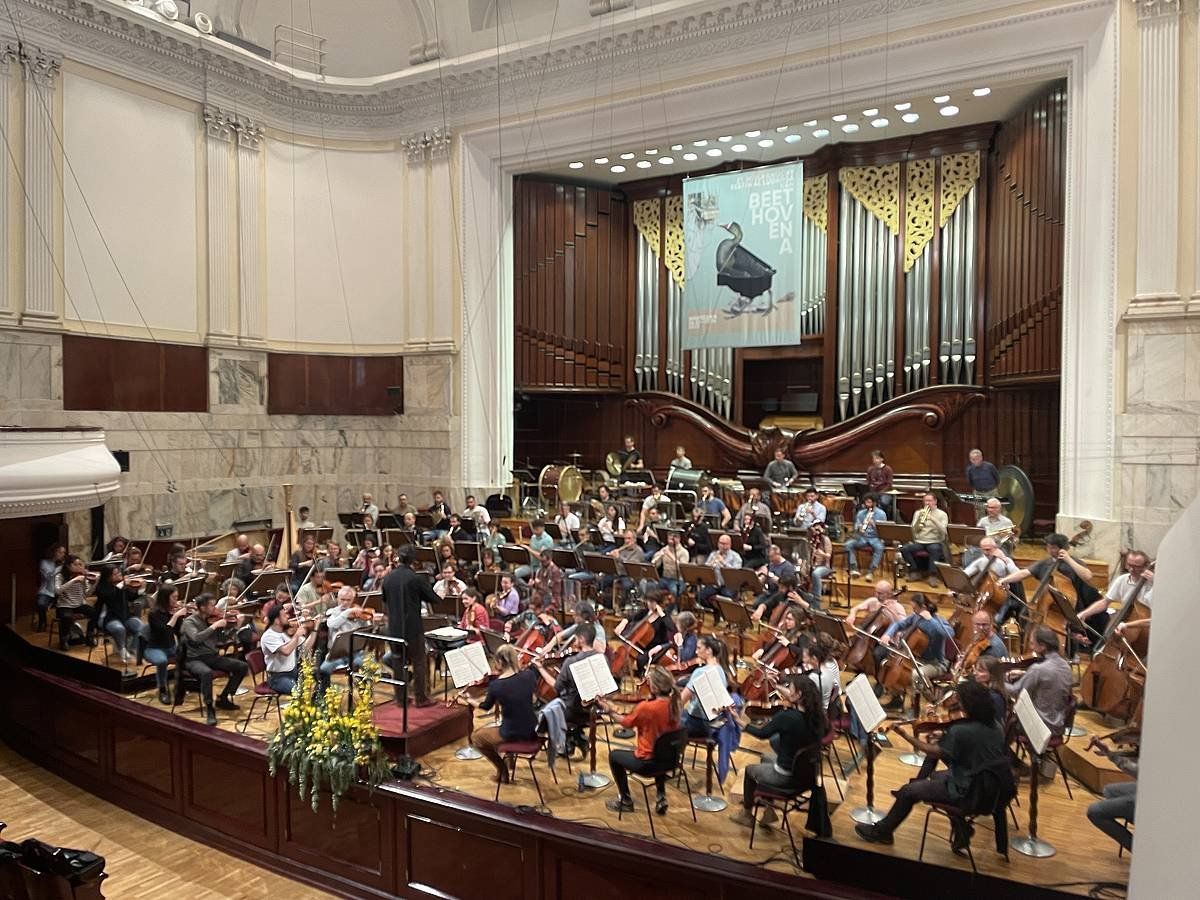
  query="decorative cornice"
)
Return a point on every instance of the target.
[{"x": 427, "y": 145}]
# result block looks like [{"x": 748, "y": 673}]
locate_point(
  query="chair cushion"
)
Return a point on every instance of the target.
[
  {"x": 519, "y": 748},
  {"x": 265, "y": 690}
]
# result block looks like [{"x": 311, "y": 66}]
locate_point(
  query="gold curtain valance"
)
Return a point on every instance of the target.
[{"x": 877, "y": 188}]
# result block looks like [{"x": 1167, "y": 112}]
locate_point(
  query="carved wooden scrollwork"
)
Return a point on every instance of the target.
[
  {"x": 816, "y": 200},
  {"x": 673, "y": 238},
  {"x": 646, "y": 215},
  {"x": 878, "y": 189},
  {"x": 960, "y": 171},
  {"x": 918, "y": 210}
]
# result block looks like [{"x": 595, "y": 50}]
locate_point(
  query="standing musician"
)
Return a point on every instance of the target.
[
  {"x": 668, "y": 560},
  {"x": 754, "y": 542},
  {"x": 280, "y": 643},
  {"x": 1058, "y": 550},
  {"x": 780, "y": 471},
  {"x": 969, "y": 748},
  {"x": 754, "y": 506},
  {"x": 49, "y": 566},
  {"x": 810, "y": 510},
  {"x": 404, "y": 592},
  {"x": 512, "y": 690},
  {"x": 865, "y": 535},
  {"x": 931, "y": 662},
  {"x": 981, "y": 474},
  {"x": 929, "y": 535},
  {"x": 1049, "y": 681},
  {"x": 547, "y": 585},
  {"x": 202, "y": 635},
  {"x": 799, "y": 725},
  {"x": 651, "y": 719},
  {"x": 1137, "y": 568},
  {"x": 630, "y": 456},
  {"x": 879, "y": 479},
  {"x": 711, "y": 505},
  {"x": 681, "y": 460},
  {"x": 696, "y": 536},
  {"x": 724, "y": 557}
]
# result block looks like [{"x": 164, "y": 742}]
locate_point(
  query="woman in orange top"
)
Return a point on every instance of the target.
[{"x": 652, "y": 718}]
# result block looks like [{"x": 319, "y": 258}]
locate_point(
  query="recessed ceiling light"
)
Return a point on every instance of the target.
[
  {"x": 738, "y": 148},
  {"x": 665, "y": 160},
  {"x": 942, "y": 99},
  {"x": 677, "y": 147},
  {"x": 792, "y": 138},
  {"x": 699, "y": 143},
  {"x": 576, "y": 165},
  {"x": 810, "y": 123},
  {"x": 821, "y": 132},
  {"x": 652, "y": 152},
  {"x": 949, "y": 111},
  {"x": 840, "y": 117},
  {"x": 690, "y": 157},
  {"x": 901, "y": 107},
  {"x": 618, "y": 169},
  {"x": 753, "y": 134},
  {"x": 881, "y": 122},
  {"x": 713, "y": 151},
  {"x": 643, "y": 164},
  {"x": 850, "y": 128},
  {"x": 870, "y": 112},
  {"x": 628, "y": 155},
  {"x": 780, "y": 129},
  {"x": 601, "y": 160},
  {"x": 725, "y": 138},
  {"x": 910, "y": 117},
  {"x": 981, "y": 92},
  {"x": 766, "y": 142}
]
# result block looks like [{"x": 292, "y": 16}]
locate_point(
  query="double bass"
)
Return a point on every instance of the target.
[{"x": 1043, "y": 609}]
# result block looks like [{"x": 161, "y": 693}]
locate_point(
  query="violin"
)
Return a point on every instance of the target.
[
  {"x": 362, "y": 614},
  {"x": 968, "y": 658}
]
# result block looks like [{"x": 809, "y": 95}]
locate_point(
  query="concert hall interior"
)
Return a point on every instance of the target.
[{"x": 667, "y": 447}]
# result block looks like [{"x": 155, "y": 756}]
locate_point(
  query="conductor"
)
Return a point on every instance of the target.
[{"x": 404, "y": 591}]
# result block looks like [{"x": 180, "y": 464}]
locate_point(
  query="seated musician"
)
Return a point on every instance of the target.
[
  {"x": 302, "y": 560},
  {"x": 117, "y": 603},
  {"x": 48, "y": 568},
  {"x": 72, "y": 585},
  {"x": 755, "y": 506},
  {"x": 589, "y": 542},
  {"x": 474, "y": 615},
  {"x": 231, "y": 594},
  {"x": 597, "y": 504},
  {"x": 929, "y": 537},
  {"x": 439, "y": 511},
  {"x": 444, "y": 553},
  {"x": 335, "y": 557},
  {"x": 506, "y": 602},
  {"x": 1049, "y": 681},
  {"x": 799, "y": 725},
  {"x": 789, "y": 634},
  {"x": 252, "y": 564},
  {"x": 879, "y": 480},
  {"x": 511, "y": 690},
  {"x": 865, "y": 535},
  {"x": 488, "y": 562},
  {"x": 647, "y": 535},
  {"x": 652, "y": 502},
  {"x": 536, "y": 615},
  {"x": 711, "y": 505},
  {"x": 402, "y": 506},
  {"x": 931, "y": 662},
  {"x": 630, "y": 456},
  {"x": 780, "y": 471},
  {"x": 713, "y": 656},
  {"x": 997, "y": 525},
  {"x": 116, "y": 545},
  {"x": 585, "y": 614},
  {"x": 178, "y": 565},
  {"x": 982, "y": 476},
  {"x": 408, "y": 522},
  {"x": 201, "y": 635},
  {"x": 281, "y": 643},
  {"x": 476, "y": 515},
  {"x": 539, "y": 541},
  {"x": 162, "y": 635},
  {"x": 240, "y": 550},
  {"x": 787, "y": 591},
  {"x": 1118, "y": 808},
  {"x": 310, "y": 599},
  {"x": 993, "y": 560},
  {"x": 448, "y": 583},
  {"x": 821, "y": 560},
  {"x": 583, "y": 643},
  {"x": 651, "y": 719},
  {"x": 754, "y": 542},
  {"x": 810, "y": 510},
  {"x": 684, "y": 640},
  {"x": 668, "y": 560},
  {"x": 989, "y": 673},
  {"x": 374, "y": 580},
  {"x": 695, "y": 536},
  {"x": 967, "y": 748},
  {"x": 724, "y": 557},
  {"x": 1137, "y": 567},
  {"x": 681, "y": 460},
  {"x": 818, "y": 659},
  {"x": 777, "y": 566},
  {"x": 882, "y": 597},
  {"x": 610, "y": 525},
  {"x": 459, "y": 530},
  {"x": 983, "y": 629},
  {"x": 629, "y": 551},
  {"x": 653, "y": 612},
  {"x": 493, "y": 538},
  {"x": 349, "y": 615},
  {"x": 547, "y": 585},
  {"x": 1058, "y": 555}
]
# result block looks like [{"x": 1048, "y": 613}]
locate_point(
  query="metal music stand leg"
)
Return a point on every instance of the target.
[{"x": 868, "y": 815}]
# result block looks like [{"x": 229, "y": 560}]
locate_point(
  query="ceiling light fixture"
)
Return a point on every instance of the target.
[
  {"x": 793, "y": 138},
  {"x": 699, "y": 143},
  {"x": 617, "y": 169},
  {"x": 766, "y": 142},
  {"x": 948, "y": 111},
  {"x": 713, "y": 151},
  {"x": 981, "y": 92},
  {"x": 780, "y": 129},
  {"x": 901, "y": 107},
  {"x": 821, "y": 133},
  {"x": 738, "y": 148},
  {"x": 942, "y": 99},
  {"x": 725, "y": 138},
  {"x": 870, "y": 112},
  {"x": 652, "y": 152},
  {"x": 881, "y": 122},
  {"x": 850, "y": 127},
  {"x": 628, "y": 155},
  {"x": 643, "y": 163},
  {"x": 601, "y": 160},
  {"x": 690, "y": 157},
  {"x": 677, "y": 147},
  {"x": 576, "y": 165},
  {"x": 810, "y": 123},
  {"x": 753, "y": 134},
  {"x": 840, "y": 117},
  {"x": 910, "y": 117},
  {"x": 665, "y": 160}
]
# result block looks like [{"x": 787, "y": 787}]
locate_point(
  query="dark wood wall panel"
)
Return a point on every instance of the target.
[
  {"x": 133, "y": 376},
  {"x": 571, "y": 259},
  {"x": 315, "y": 384},
  {"x": 1023, "y": 314}
]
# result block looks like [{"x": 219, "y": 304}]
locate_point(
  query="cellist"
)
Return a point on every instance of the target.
[
  {"x": 995, "y": 562},
  {"x": 656, "y": 617},
  {"x": 931, "y": 661},
  {"x": 1137, "y": 574}
]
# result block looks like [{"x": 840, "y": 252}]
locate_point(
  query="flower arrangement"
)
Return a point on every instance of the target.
[{"x": 322, "y": 746}]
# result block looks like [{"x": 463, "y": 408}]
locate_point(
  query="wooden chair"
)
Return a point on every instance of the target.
[{"x": 262, "y": 690}]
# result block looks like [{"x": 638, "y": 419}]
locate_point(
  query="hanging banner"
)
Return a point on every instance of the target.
[{"x": 742, "y": 257}]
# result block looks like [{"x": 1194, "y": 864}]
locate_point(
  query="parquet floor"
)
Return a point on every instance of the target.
[{"x": 142, "y": 860}]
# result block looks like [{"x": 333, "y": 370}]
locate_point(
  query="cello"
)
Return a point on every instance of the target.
[
  {"x": 633, "y": 644},
  {"x": 859, "y": 657},
  {"x": 1115, "y": 680},
  {"x": 778, "y": 653},
  {"x": 895, "y": 674}
]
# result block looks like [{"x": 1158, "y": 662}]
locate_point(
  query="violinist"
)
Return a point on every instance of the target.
[
  {"x": 475, "y": 616},
  {"x": 1049, "y": 681},
  {"x": 116, "y": 601},
  {"x": 163, "y": 635},
  {"x": 133, "y": 566},
  {"x": 547, "y": 585},
  {"x": 511, "y": 690},
  {"x": 202, "y": 634},
  {"x": 488, "y": 561},
  {"x": 349, "y": 615},
  {"x": 713, "y": 656},
  {"x": 984, "y": 630},
  {"x": 535, "y": 616},
  {"x": 48, "y": 568},
  {"x": 1121, "y": 588},
  {"x": 178, "y": 567},
  {"x": 657, "y": 618},
  {"x": 252, "y": 564},
  {"x": 968, "y": 749},
  {"x": 585, "y": 614},
  {"x": 799, "y": 725},
  {"x": 116, "y": 546},
  {"x": 240, "y": 550},
  {"x": 931, "y": 662},
  {"x": 449, "y": 584},
  {"x": 72, "y": 585},
  {"x": 651, "y": 719},
  {"x": 444, "y": 553},
  {"x": 683, "y": 642},
  {"x": 301, "y": 561},
  {"x": 818, "y": 658},
  {"x": 280, "y": 643},
  {"x": 247, "y": 634},
  {"x": 506, "y": 602},
  {"x": 374, "y": 580},
  {"x": 366, "y": 555},
  {"x": 313, "y": 598},
  {"x": 668, "y": 560},
  {"x": 1058, "y": 557},
  {"x": 754, "y": 542},
  {"x": 333, "y": 555}
]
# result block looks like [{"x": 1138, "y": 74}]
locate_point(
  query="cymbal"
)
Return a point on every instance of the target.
[{"x": 894, "y": 491}]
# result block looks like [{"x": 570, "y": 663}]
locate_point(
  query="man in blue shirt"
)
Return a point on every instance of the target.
[
  {"x": 865, "y": 535},
  {"x": 713, "y": 506},
  {"x": 981, "y": 474}
]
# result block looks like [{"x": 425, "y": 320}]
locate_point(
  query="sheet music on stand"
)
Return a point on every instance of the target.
[
  {"x": 1035, "y": 729},
  {"x": 865, "y": 703},
  {"x": 592, "y": 677},
  {"x": 467, "y": 664},
  {"x": 713, "y": 695}
]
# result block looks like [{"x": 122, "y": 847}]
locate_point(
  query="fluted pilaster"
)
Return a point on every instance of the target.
[
  {"x": 222, "y": 224},
  {"x": 250, "y": 237},
  {"x": 7, "y": 307},
  {"x": 40, "y": 70}
]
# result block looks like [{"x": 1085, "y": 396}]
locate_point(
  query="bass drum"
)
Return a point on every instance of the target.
[
  {"x": 687, "y": 479},
  {"x": 560, "y": 484},
  {"x": 731, "y": 491}
]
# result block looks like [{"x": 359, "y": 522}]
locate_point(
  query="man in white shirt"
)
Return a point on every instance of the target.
[
  {"x": 369, "y": 508},
  {"x": 1121, "y": 588},
  {"x": 449, "y": 584},
  {"x": 724, "y": 557},
  {"x": 997, "y": 525},
  {"x": 681, "y": 460},
  {"x": 279, "y": 649},
  {"x": 810, "y": 510},
  {"x": 241, "y": 549},
  {"x": 651, "y": 502},
  {"x": 993, "y": 559},
  {"x": 347, "y": 616},
  {"x": 477, "y": 514},
  {"x": 567, "y": 522}
]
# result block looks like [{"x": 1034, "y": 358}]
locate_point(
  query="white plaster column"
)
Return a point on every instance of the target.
[
  {"x": 222, "y": 225},
  {"x": 251, "y": 257},
  {"x": 8, "y": 309},
  {"x": 40, "y": 70},
  {"x": 1158, "y": 150}
]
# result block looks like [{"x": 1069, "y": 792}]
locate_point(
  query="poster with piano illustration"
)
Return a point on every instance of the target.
[{"x": 743, "y": 256}]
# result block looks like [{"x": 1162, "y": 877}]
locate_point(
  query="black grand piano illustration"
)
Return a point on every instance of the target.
[{"x": 743, "y": 273}]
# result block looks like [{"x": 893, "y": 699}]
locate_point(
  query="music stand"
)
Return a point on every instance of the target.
[
  {"x": 640, "y": 571},
  {"x": 467, "y": 551},
  {"x": 516, "y": 555},
  {"x": 739, "y": 580},
  {"x": 267, "y": 582},
  {"x": 493, "y": 640},
  {"x": 226, "y": 570},
  {"x": 424, "y": 555},
  {"x": 320, "y": 533},
  {"x": 398, "y": 537},
  {"x": 698, "y": 575},
  {"x": 191, "y": 587},
  {"x": 789, "y": 545},
  {"x": 894, "y": 535},
  {"x": 387, "y": 520},
  {"x": 424, "y": 520},
  {"x": 600, "y": 564},
  {"x": 350, "y": 576},
  {"x": 955, "y": 579},
  {"x": 737, "y": 615},
  {"x": 965, "y": 535},
  {"x": 554, "y": 531},
  {"x": 372, "y": 600},
  {"x": 350, "y": 520},
  {"x": 823, "y": 623},
  {"x": 564, "y": 558},
  {"x": 487, "y": 582}
]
